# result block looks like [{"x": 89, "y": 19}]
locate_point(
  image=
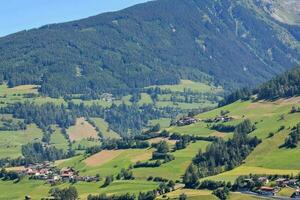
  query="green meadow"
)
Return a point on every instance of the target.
[
  {"x": 58, "y": 139},
  {"x": 175, "y": 169},
  {"x": 38, "y": 189},
  {"x": 194, "y": 86},
  {"x": 112, "y": 167},
  {"x": 104, "y": 128},
  {"x": 267, "y": 158},
  {"x": 11, "y": 141}
]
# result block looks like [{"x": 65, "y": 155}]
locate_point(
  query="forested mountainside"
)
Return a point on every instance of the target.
[
  {"x": 229, "y": 43},
  {"x": 286, "y": 85},
  {"x": 283, "y": 86}
]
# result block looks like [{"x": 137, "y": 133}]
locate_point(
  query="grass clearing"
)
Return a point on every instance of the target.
[
  {"x": 246, "y": 170},
  {"x": 191, "y": 194},
  {"x": 163, "y": 122},
  {"x": 111, "y": 167},
  {"x": 102, "y": 157},
  {"x": 22, "y": 89},
  {"x": 175, "y": 169},
  {"x": 198, "y": 129},
  {"x": 82, "y": 130},
  {"x": 58, "y": 140},
  {"x": 194, "y": 86},
  {"x": 286, "y": 192},
  {"x": 104, "y": 129},
  {"x": 38, "y": 189},
  {"x": 11, "y": 141},
  {"x": 159, "y": 139},
  {"x": 145, "y": 99}
]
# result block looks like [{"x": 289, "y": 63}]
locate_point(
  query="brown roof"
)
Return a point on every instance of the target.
[{"x": 267, "y": 188}]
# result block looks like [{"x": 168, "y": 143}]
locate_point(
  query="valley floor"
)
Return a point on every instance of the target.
[{"x": 267, "y": 158}]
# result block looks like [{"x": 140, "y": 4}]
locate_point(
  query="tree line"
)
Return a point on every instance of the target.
[{"x": 285, "y": 85}]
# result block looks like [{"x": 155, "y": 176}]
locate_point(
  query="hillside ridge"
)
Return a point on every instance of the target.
[{"x": 145, "y": 45}]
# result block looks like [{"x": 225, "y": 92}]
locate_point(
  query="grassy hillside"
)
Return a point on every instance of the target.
[
  {"x": 38, "y": 190},
  {"x": 104, "y": 128},
  {"x": 11, "y": 142},
  {"x": 59, "y": 140},
  {"x": 174, "y": 169},
  {"x": 268, "y": 157}
]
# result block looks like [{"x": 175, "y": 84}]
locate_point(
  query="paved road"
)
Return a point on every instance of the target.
[{"x": 269, "y": 197}]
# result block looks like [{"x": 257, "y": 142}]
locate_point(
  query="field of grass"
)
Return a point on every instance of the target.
[
  {"x": 112, "y": 167},
  {"x": 191, "y": 194},
  {"x": 38, "y": 189},
  {"x": 83, "y": 144},
  {"x": 24, "y": 89},
  {"x": 125, "y": 100},
  {"x": 184, "y": 106},
  {"x": 199, "y": 129},
  {"x": 268, "y": 157},
  {"x": 16, "y": 94},
  {"x": 286, "y": 192},
  {"x": 172, "y": 170},
  {"x": 58, "y": 139},
  {"x": 163, "y": 122},
  {"x": 246, "y": 170},
  {"x": 82, "y": 130},
  {"x": 11, "y": 141},
  {"x": 100, "y": 102},
  {"x": 175, "y": 169},
  {"x": 194, "y": 86},
  {"x": 145, "y": 99},
  {"x": 104, "y": 128}
]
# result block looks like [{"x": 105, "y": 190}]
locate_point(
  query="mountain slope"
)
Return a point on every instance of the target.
[
  {"x": 287, "y": 11},
  {"x": 158, "y": 42}
]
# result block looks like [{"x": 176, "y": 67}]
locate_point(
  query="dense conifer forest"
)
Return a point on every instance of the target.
[{"x": 151, "y": 44}]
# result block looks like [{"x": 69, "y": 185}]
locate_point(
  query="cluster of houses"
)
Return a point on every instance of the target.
[
  {"x": 52, "y": 175},
  {"x": 184, "y": 121},
  {"x": 278, "y": 184}
]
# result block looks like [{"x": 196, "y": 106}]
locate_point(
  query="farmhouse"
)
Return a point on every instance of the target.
[
  {"x": 282, "y": 182},
  {"x": 293, "y": 182},
  {"x": 263, "y": 180},
  {"x": 184, "y": 121},
  {"x": 268, "y": 191},
  {"x": 67, "y": 173}
]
